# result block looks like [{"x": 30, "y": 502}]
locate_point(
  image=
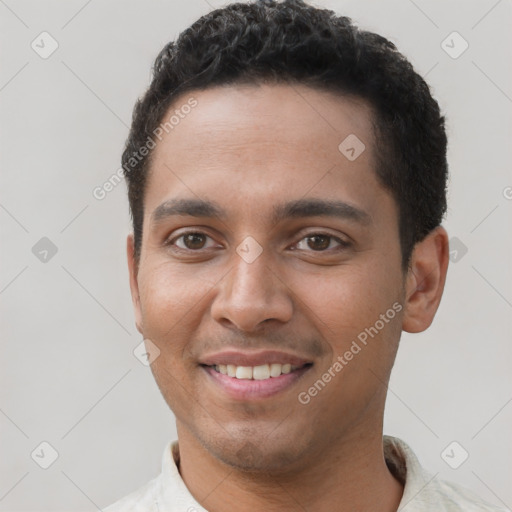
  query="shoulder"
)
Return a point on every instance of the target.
[
  {"x": 141, "y": 500},
  {"x": 150, "y": 496},
  {"x": 424, "y": 491},
  {"x": 457, "y": 498}
]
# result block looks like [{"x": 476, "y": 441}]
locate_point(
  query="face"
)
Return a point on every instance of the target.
[{"x": 270, "y": 274}]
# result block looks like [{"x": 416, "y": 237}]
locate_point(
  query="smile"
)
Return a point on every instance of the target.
[
  {"x": 249, "y": 383},
  {"x": 260, "y": 372}
]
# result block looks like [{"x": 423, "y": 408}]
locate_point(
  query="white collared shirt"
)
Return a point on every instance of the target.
[{"x": 422, "y": 491}]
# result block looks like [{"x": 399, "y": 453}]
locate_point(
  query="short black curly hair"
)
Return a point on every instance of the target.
[{"x": 293, "y": 42}]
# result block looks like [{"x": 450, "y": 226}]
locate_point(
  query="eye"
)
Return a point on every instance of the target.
[
  {"x": 191, "y": 241},
  {"x": 320, "y": 242}
]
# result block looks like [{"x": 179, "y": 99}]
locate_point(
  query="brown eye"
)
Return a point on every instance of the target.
[
  {"x": 319, "y": 242},
  {"x": 322, "y": 242},
  {"x": 194, "y": 240}
]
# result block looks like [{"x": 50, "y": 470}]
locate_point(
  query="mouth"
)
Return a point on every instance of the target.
[
  {"x": 259, "y": 372},
  {"x": 253, "y": 376}
]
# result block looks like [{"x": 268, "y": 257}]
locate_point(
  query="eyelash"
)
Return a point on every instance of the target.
[{"x": 342, "y": 243}]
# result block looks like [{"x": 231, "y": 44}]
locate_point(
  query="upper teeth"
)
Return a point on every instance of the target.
[{"x": 260, "y": 372}]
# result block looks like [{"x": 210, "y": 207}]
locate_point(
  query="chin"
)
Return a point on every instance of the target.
[
  {"x": 251, "y": 459},
  {"x": 263, "y": 453}
]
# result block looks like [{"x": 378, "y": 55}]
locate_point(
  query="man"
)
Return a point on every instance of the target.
[{"x": 287, "y": 176}]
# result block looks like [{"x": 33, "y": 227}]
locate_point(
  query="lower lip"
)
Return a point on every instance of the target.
[{"x": 247, "y": 389}]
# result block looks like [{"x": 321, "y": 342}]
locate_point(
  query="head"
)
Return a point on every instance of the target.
[{"x": 286, "y": 175}]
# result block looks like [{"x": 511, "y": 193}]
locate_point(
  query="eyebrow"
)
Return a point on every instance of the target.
[
  {"x": 320, "y": 208},
  {"x": 294, "y": 209},
  {"x": 191, "y": 207}
]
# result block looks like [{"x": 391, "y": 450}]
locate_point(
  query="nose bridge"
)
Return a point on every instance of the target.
[
  {"x": 251, "y": 280},
  {"x": 251, "y": 293}
]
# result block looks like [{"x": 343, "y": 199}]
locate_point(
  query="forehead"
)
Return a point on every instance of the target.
[
  {"x": 255, "y": 143},
  {"x": 271, "y": 115}
]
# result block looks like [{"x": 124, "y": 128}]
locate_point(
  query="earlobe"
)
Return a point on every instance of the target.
[
  {"x": 425, "y": 280},
  {"x": 134, "y": 285}
]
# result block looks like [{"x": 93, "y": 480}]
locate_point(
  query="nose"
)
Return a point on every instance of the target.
[{"x": 252, "y": 294}]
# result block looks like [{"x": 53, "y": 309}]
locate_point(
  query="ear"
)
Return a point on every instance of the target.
[
  {"x": 425, "y": 280},
  {"x": 134, "y": 285}
]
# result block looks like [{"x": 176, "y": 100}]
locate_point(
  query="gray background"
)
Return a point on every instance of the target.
[{"x": 68, "y": 375}]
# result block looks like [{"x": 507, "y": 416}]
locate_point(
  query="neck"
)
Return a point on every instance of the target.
[{"x": 352, "y": 475}]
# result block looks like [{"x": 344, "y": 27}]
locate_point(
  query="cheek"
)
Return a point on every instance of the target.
[
  {"x": 345, "y": 299},
  {"x": 171, "y": 303},
  {"x": 346, "y": 308},
  {"x": 169, "y": 299}
]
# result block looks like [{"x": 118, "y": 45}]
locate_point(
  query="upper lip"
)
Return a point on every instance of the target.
[{"x": 258, "y": 358}]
